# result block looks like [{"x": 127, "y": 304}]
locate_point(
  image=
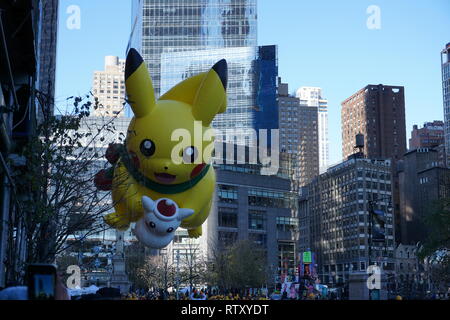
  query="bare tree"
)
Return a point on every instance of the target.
[
  {"x": 135, "y": 259},
  {"x": 217, "y": 266},
  {"x": 248, "y": 267},
  {"x": 192, "y": 264},
  {"x": 58, "y": 178},
  {"x": 239, "y": 266},
  {"x": 435, "y": 251},
  {"x": 158, "y": 272}
]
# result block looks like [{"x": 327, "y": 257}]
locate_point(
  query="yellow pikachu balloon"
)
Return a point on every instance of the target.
[{"x": 148, "y": 167}]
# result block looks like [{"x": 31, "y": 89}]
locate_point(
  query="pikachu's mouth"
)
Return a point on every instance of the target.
[{"x": 165, "y": 178}]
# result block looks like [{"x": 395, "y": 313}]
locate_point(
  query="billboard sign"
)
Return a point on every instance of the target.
[{"x": 307, "y": 257}]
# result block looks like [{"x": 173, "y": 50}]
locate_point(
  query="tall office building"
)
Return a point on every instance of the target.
[
  {"x": 178, "y": 39},
  {"x": 47, "y": 55},
  {"x": 299, "y": 134},
  {"x": 173, "y": 25},
  {"x": 422, "y": 180},
  {"x": 445, "y": 62},
  {"x": 250, "y": 206},
  {"x": 251, "y": 88},
  {"x": 108, "y": 86},
  {"x": 377, "y": 112},
  {"x": 336, "y": 209},
  {"x": 312, "y": 96}
]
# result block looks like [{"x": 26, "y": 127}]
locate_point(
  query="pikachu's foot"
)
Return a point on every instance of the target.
[
  {"x": 117, "y": 220},
  {"x": 195, "y": 233}
]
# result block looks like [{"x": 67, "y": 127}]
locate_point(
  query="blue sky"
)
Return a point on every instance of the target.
[{"x": 323, "y": 43}]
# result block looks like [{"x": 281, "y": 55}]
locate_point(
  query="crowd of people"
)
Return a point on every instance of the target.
[
  {"x": 196, "y": 294},
  {"x": 292, "y": 292}
]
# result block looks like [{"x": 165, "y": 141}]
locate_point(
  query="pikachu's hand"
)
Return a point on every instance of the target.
[
  {"x": 195, "y": 233},
  {"x": 185, "y": 213},
  {"x": 118, "y": 221}
]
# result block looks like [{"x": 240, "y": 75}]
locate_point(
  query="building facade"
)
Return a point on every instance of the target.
[
  {"x": 108, "y": 86},
  {"x": 445, "y": 64},
  {"x": 429, "y": 136},
  {"x": 47, "y": 55},
  {"x": 299, "y": 134},
  {"x": 249, "y": 206},
  {"x": 27, "y": 30},
  {"x": 173, "y": 25},
  {"x": 422, "y": 180},
  {"x": 259, "y": 208},
  {"x": 337, "y": 206},
  {"x": 377, "y": 112},
  {"x": 251, "y": 88},
  {"x": 411, "y": 278},
  {"x": 178, "y": 39},
  {"x": 312, "y": 96}
]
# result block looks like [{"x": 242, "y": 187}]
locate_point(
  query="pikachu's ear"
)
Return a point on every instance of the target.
[
  {"x": 211, "y": 97},
  {"x": 139, "y": 85},
  {"x": 186, "y": 90}
]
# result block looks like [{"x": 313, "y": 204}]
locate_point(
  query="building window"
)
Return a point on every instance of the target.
[
  {"x": 286, "y": 258},
  {"x": 363, "y": 266},
  {"x": 227, "y": 193},
  {"x": 260, "y": 239},
  {"x": 228, "y": 217},
  {"x": 266, "y": 198},
  {"x": 286, "y": 223},
  {"x": 257, "y": 220},
  {"x": 227, "y": 238}
]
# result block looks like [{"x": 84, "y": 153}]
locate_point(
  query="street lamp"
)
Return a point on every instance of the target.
[
  {"x": 371, "y": 213},
  {"x": 178, "y": 273}
]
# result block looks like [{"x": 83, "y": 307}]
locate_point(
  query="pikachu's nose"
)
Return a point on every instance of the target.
[
  {"x": 165, "y": 165},
  {"x": 162, "y": 165}
]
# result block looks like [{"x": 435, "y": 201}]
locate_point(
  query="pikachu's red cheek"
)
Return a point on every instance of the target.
[
  {"x": 197, "y": 170},
  {"x": 135, "y": 159}
]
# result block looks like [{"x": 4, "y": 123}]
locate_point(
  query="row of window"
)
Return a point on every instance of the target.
[{"x": 228, "y": 238}]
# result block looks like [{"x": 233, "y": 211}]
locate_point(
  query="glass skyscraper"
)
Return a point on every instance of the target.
[
  {"x": 445, "y": 61},
  {"x": 177, "y": 66},
  {"x": 313, "y": 97},
  {"x": 251, "y": 90},
  {"x": 179, "y": 25},
  {"x": 180, "y": 38}
]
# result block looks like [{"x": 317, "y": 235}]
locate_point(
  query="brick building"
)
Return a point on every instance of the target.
[
  {"x": 378, "y": 113},
  {"x": 430, "y": 135}
]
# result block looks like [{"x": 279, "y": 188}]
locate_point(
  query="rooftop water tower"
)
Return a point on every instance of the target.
[{"x": 359, "y": 146}]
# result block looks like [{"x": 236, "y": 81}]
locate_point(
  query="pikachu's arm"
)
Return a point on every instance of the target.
[
  {"x": 127, "y": 199},
  {"x": 130, "y": 193},
  {"x": 199, "y": 201}
]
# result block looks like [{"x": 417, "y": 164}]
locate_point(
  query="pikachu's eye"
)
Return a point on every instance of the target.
[
  {"x": 190, "y": 154},
  {"x": 147, "y": 147}
]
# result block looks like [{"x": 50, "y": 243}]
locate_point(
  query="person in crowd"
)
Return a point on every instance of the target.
[
  {"x": 292, "y": 292},
  {"x": 21, "y": 292}
]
